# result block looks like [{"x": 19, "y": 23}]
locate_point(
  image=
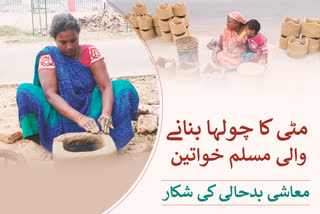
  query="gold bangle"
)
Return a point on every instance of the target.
[{"x": 80, "y": 117}]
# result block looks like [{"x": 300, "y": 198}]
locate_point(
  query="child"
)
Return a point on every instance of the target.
[{"x": 254, "y": 41}]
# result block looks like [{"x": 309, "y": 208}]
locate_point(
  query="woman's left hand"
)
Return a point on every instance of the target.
[{"x": 105, "y": 120}]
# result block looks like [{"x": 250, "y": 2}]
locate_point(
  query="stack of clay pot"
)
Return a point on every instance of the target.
[
  {"x": 145, "y": 24},
  {"x": 173, "y": 21},
  {"x": 300, "y": 38},
  {"x": 311, "y": 31},
  {"x": 141, "y": 22}
]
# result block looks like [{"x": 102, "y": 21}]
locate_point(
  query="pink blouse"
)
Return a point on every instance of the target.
[{"x": 89, "y": 55}]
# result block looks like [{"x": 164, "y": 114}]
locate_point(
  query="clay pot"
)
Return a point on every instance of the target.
[
  {"x": 139, "y": 9},
  {"x": 179, "y": 9},
  {"x": 155, "y": 20},
  {"x": 133, "y": 21},
  {"x": 178, "y": 26},
  {"x": 297, "y": 48},
  {"x": 164, "y": 25},
  {"x": 311, "y": 28},
  {"x": 164, "y": 11},
  {"x": 283, "y": 43},
  {"x": 62, "y": 147},
  {"x": 166, "y": 36},
  {"x": 291, "y": 27},
  {"x": 145, "y": 22},
  {"x": 186, "y": 20},
  {"x": 157, "y": 30},
  {"x": 138, "y": 33},
  {"x": 175, "y": 37},
  {"x": 313, "y": 44},
  {"x": 148, "y": 34}
]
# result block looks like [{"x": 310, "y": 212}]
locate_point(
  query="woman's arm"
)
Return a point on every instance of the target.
[
  {"x": 49, "y": 84},
  {"x": 100, "y": 74}
]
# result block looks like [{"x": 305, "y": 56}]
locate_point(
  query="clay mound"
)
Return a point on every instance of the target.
[
  {"x": 297, "y": 48},
  {"x": 291, "y": 27},
  {"x": 311, "y": 28},
  {"x": 140, "y": 9},
  {"x": 179, "y": 9},
  {"x": 164, "y": 11}
]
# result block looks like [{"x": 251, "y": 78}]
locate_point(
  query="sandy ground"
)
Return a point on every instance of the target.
[{"x": 106, "y": 180}]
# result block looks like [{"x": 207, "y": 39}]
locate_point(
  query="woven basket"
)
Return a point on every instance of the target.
[
  {"x": 139, "y": 9},
  {"x": 311, "y": 28},
  {"x": 179, "y": 9},
  {"x": 164, "y": 11},
  {"x": 313, "y": 44},
  {"x": 164, "y": 25},
  {"x": 166, "y": 36},
  {"x": 178, "y": 26},
  {"x": 145, "y": 22},
  {"x": 297, "y": 48},
  {"x": 291, "y": 27},
  {"x": 283, "y": 43},
  {"x": 148, "y": 34}
]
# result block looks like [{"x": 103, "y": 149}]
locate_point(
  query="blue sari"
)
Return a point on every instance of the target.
[{"x": 78, "y": 88}]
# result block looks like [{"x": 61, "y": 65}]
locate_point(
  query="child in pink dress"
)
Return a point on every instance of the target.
[{"x": 254, "y": 42}]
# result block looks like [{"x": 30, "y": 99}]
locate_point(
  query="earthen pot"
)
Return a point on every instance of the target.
[
  {"x": 291, "y": 27},
  {"x": 297, "y": 48}
]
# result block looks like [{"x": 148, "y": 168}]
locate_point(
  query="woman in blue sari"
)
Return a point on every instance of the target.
[{"x": 72, "y": 91}]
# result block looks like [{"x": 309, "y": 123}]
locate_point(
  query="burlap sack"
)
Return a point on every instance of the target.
[
  {"x": 166, "y": 36},
  {"x": 178, "y": 26},
  {"x": 155, "y": 20},
  {"x": 139, "y": 9},
  {"x": 311, "y": 28},
  {"x": 179, "y": 9},
  {"x": 297, "y": 48},
  {"x": 145, "y": 22},
  {"x": 157, "y": 30},
  {"x": 164, "y": 11},
  {"x": 283, "y": 43},
  {"x": 164, "y": 25},
  {"x": 313, "y": 44},
  {"x": 148, "y": 34},
  {"x": 291, "y": 27}
]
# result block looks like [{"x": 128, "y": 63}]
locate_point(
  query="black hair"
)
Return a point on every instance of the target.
[
  {"x": 63, "y": 22},
  {"x": 254, "y": 25}
]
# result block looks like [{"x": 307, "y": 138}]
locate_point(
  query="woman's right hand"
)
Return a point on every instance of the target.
[{"x": 88, "y": 124}]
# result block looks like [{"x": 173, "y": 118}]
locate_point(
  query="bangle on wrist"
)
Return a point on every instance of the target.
[{"x": 80, "y": 117}]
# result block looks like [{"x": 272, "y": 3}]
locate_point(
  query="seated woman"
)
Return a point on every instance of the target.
[
  {"x": 228, "y": 53},
  {"x": 72, "y": 91}
]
